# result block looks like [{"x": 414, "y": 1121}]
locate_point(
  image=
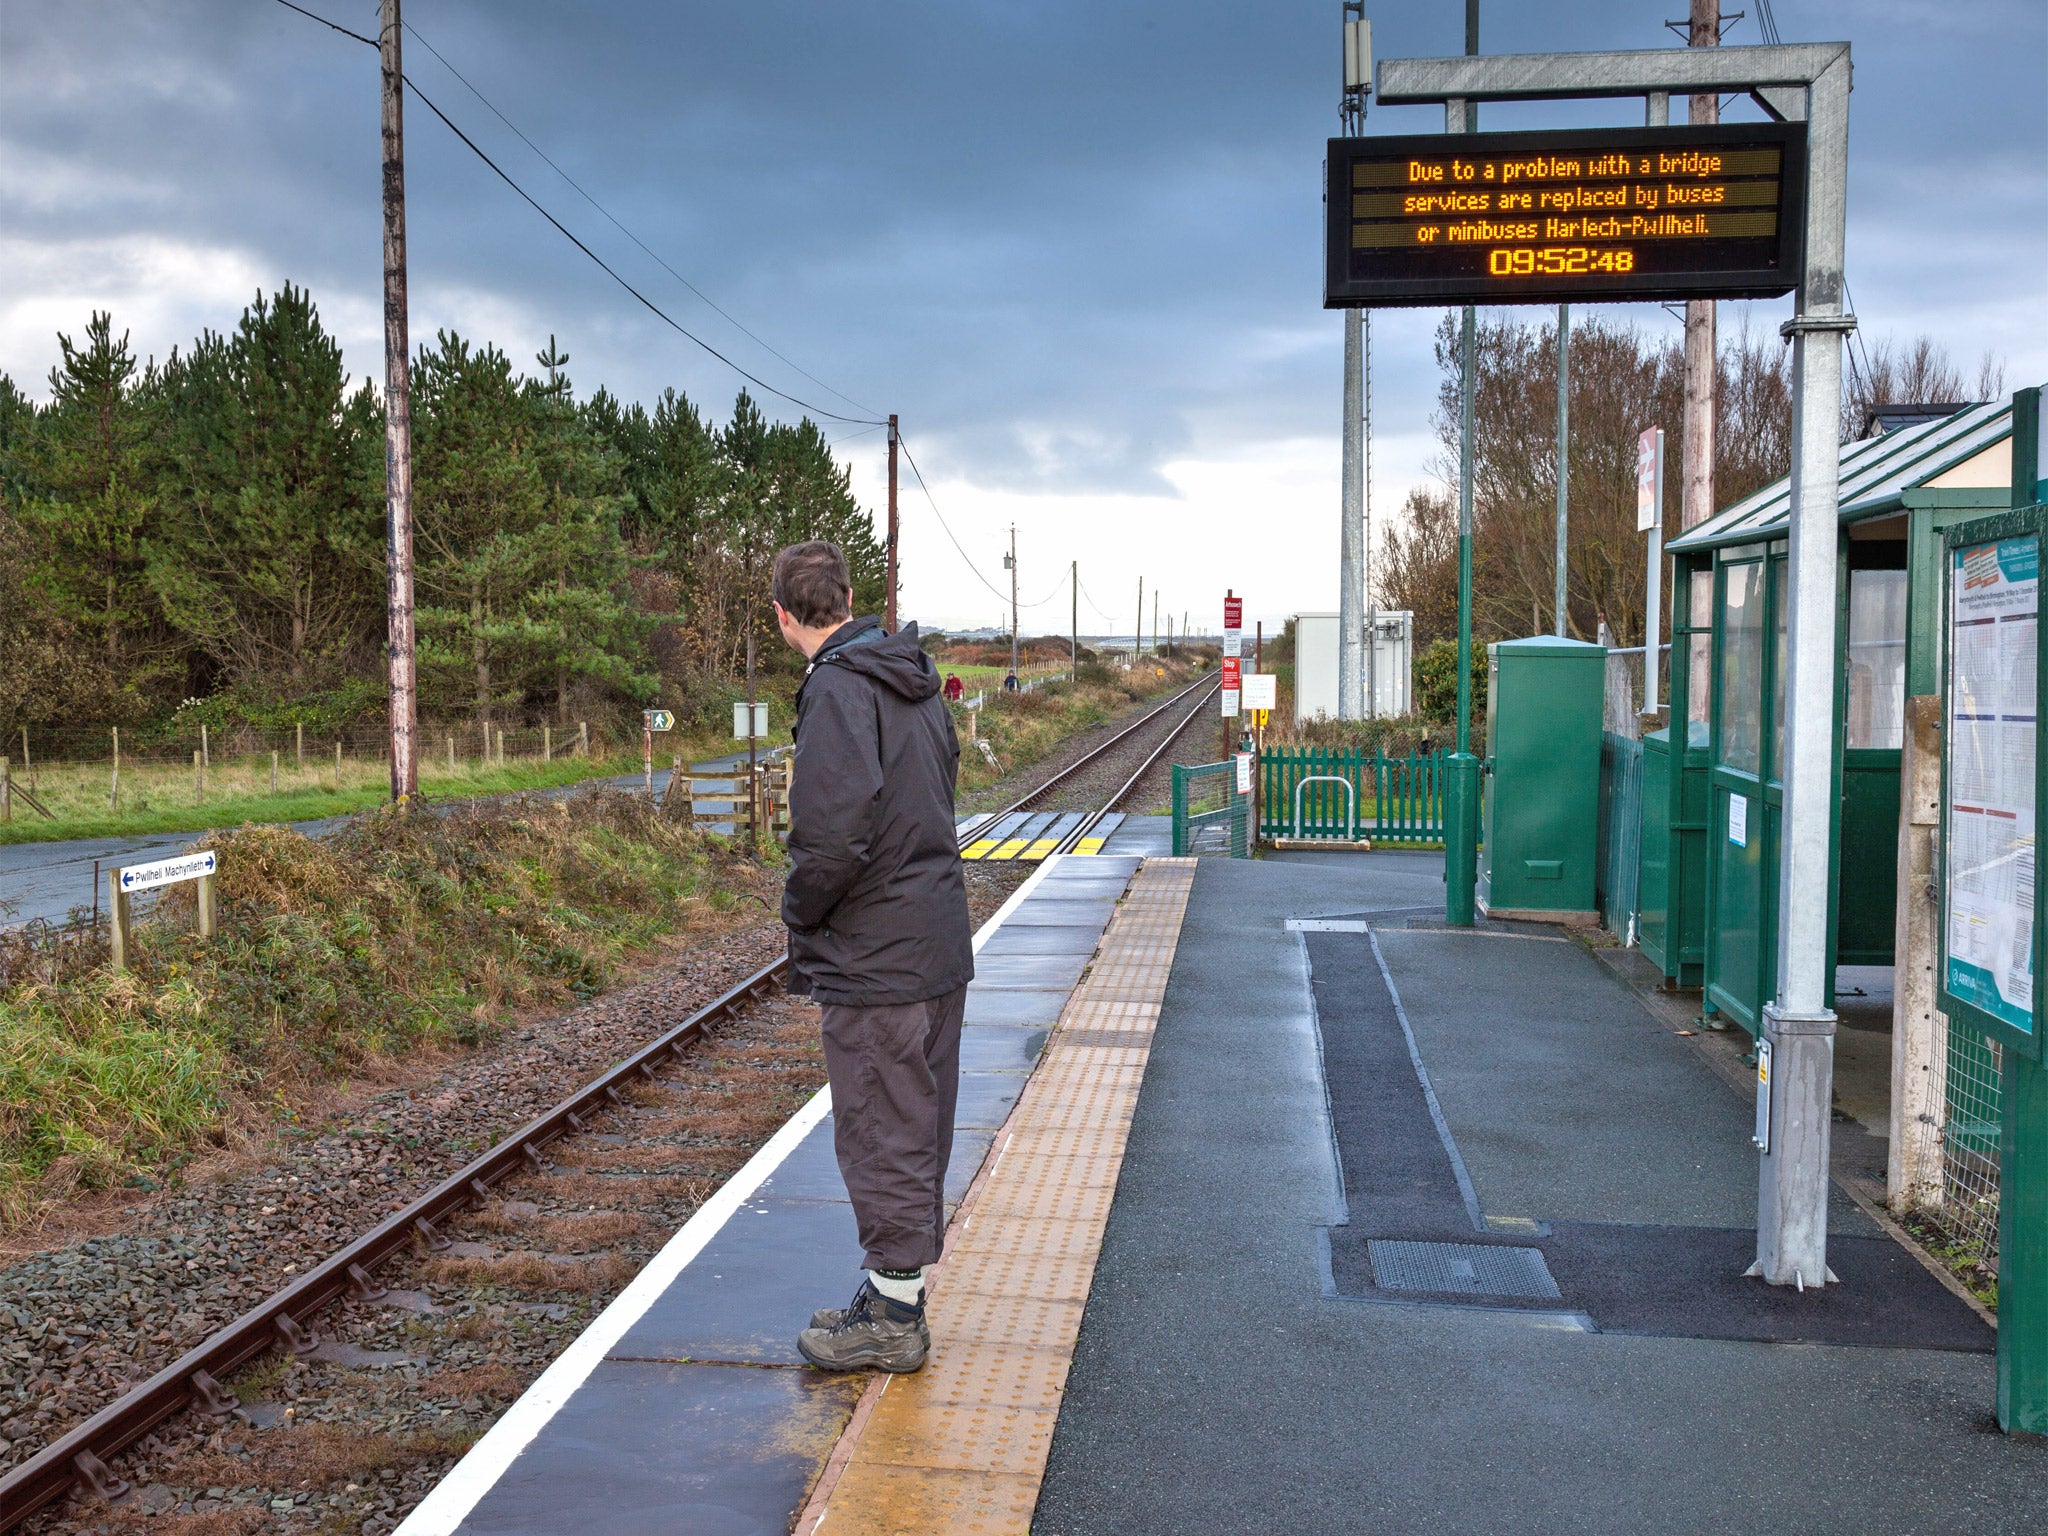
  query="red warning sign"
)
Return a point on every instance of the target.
[
  {"x": 1233, "y": 672},
  {"x": 1233, "y": 613}
]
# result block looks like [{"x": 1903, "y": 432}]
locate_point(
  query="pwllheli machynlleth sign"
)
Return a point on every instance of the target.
[{"x": 1571, "y": 215}]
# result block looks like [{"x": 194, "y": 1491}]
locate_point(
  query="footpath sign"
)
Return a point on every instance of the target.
[
  {"x": 657, "y": 720},
  {"x": 124, "y": 881}
]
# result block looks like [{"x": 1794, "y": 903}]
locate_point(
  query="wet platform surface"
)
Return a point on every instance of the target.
[{"x": 686, "y": 1407}]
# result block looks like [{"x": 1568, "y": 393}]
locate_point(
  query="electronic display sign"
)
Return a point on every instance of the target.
[{"x": 1565, "y": 215}]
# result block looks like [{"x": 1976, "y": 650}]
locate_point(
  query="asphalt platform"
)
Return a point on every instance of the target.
[{"x": 1425, "y": 1231}]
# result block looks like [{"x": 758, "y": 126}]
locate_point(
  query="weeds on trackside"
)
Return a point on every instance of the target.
[{"x": 399, "y": 933}]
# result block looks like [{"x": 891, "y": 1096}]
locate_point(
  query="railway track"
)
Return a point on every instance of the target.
[{"x": 603, "y": 1113}]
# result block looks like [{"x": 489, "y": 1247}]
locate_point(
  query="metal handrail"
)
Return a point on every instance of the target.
[{"x": 1350, "y": 801}]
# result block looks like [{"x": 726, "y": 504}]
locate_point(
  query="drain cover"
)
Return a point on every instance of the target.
[{"x": 1469, "y": 1269}]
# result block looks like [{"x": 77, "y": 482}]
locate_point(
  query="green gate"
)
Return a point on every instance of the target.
[
  {"x": 1209, "y": 815},
  {"x": 1390, "y": 800}
]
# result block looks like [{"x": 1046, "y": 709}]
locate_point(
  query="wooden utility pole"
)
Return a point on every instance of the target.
[
  {"x": 1138, "y": 626},
  {"x": 1696, "y": 438},
  {"x": 1013, "y": 602},
  {"x": 405, "y": 778},
  {"x": 889, "y": 608},
  {"x": 1074, "y": 582}
]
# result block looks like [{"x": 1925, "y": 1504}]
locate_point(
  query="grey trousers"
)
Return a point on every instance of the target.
[{"x": 895, "y": 1075}]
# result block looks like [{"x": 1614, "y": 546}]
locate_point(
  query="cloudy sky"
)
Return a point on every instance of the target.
[{"x": 1074, "y": 243}]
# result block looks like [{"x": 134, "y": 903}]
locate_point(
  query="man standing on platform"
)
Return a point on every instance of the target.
[{"x": 879, "y": 935}]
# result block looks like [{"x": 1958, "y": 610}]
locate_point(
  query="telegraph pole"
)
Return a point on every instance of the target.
[
  {"x": 1696, "y": 467},
  {"x": 889, "y": 607},
  {"x": 1074, "y": 582},
  {"x": 1138, "y": 631},
  {"x": 1013, "y": 600},
  {"x": 404, "y": 701},
  {"x": 1351, "y": 640}
]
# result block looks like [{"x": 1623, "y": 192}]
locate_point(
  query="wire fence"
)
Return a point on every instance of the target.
[
  {"x": 1969, "y": 1144},
  {"x": 31, "y": 750}
]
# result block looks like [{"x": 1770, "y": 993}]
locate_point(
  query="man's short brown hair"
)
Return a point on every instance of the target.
[{"x": 811, "y": 582}]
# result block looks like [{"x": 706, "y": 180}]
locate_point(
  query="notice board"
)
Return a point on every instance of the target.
[{"x": 1991, "y": 790}]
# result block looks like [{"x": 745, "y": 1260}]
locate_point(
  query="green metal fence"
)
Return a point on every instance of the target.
[
  {"x": 1209, "y": 815},
  {"x": 1390, "y": 799},
  {"x": 1617, "y": 864}
]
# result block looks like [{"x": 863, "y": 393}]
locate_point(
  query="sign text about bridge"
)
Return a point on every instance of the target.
[{"x": 1509, "y": 218}]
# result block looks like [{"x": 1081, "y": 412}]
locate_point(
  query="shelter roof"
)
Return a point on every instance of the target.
[{"x": 1876, "y": 472}]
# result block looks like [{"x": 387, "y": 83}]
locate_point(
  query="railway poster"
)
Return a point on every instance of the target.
[{"x": 1994, "y": 608}]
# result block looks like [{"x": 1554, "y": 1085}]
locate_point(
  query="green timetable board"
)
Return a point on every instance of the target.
[
  {"x": 1565, "y": 214},
  {"x": 1991, "y": 929}
]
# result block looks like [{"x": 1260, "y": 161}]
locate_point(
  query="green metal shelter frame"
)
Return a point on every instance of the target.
[{"x": 1711, "y": 788}]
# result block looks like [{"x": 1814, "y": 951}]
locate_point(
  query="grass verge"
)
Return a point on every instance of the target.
[{"x": 400, "y": 932}]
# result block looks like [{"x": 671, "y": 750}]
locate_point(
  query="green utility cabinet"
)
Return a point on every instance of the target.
[{"x": 1541, "y": 809}]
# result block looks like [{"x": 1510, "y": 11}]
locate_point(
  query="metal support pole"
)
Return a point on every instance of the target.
[
  {"x": 1653, "y": 584},
  {"x": 753, "y": 768},
  {"x": 1372, "y": 610},
  {"x": 1564, "y": 461},
  {"x": 889, "y": 608},
  {"x": 1461, "y": 778},
  {"x": 1792, "y": 1205},
  {"x": 398, "y": 581},
  {"x": 1351, "y": 543}
]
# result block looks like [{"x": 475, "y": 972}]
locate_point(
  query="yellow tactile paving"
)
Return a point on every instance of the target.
[{"x": 959, "y": 1448}]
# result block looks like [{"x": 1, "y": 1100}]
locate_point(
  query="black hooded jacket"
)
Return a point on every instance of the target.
[{"x": 875, "y": 901}]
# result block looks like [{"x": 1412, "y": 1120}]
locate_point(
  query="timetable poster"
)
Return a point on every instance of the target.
[{"x": 1992, "y": 700}]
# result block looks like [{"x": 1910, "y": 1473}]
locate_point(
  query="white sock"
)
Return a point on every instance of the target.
[{"x": 909, "y": 1292}]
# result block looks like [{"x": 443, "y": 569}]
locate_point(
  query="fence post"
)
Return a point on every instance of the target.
[
  {"x": 299, "y": 761},
  {"x": 547, "y": 744},
  {"x": 28, "y": 763},
  {"x": 337, "y": 763},
  {"x": 118, "y": 914},
  {"x": 113, "y": 785},
  {"x": 273, "y": 771},
  {"x": 6, "y": 793},
  {"x": 583, "y": 738},
  {"x": 451, "y": 752},
  {"x": 206, "y": 906},
  {"x": 199, "y": 778}
]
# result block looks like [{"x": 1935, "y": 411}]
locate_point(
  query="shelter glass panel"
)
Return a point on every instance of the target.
[
  {"x": 1779, "y": 570},
  {"x": 1699, "y": 651},
  {"x": 1742, "y": 668},
  {"x": 1877, "y": 660}
]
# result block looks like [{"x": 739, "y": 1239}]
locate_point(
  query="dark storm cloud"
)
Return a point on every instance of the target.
[{"x": 1070, "y": 242}]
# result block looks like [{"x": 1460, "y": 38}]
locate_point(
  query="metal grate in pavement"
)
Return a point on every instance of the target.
[{"x": 1467, "y": 1269}]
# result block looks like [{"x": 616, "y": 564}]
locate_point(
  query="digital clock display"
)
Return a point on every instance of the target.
[{"x": 1511, "y": 218}]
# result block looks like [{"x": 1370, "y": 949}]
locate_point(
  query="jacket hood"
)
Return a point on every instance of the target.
[{"x": 895, "y": 661}]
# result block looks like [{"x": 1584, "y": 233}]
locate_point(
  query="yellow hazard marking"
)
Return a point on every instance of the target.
[
  {"x": 1009, "y": 850},
  {"x": 1091, "y": 845},
  {"x": 978, "y": 849},
  {"x": 961, "y": 1446},
  {"x": 1040, "y": 849}
]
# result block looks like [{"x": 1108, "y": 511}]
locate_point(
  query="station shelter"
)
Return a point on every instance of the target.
[{"x": 1713, "y": 791}]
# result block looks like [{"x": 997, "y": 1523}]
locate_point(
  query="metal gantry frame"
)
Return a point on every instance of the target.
[{"x": 1792, "y": 82}]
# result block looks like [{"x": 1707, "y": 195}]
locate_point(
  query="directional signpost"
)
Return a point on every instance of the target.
[
  {"x": 651, "y": 720},
  {"x": 125, "y": 881}
]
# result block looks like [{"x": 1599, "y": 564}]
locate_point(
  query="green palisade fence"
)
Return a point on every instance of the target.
[{"x": 1399, "y": 799}]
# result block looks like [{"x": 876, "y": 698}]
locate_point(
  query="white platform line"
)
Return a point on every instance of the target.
[{"x": 449, "y": 1503}]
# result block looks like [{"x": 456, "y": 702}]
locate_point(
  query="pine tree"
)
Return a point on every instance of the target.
[
  {"x": 275, "y": 476},
  {"x": 95, "y": 504}
]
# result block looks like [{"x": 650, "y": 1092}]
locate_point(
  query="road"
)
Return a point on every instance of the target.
[{"x": 47, "y": 880}]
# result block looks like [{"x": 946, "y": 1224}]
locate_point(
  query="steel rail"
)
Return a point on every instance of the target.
[
  {"x": 1094, "y": 818},
  {"x": 79, "y": 1458},
  {"x": 982, "y": 823}
]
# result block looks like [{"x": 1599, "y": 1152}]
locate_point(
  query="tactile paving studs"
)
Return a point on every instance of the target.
[{"x": 960, "y": 1447}]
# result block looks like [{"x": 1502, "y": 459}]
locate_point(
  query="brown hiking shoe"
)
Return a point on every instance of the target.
[{"x": 872, "y": 1334}]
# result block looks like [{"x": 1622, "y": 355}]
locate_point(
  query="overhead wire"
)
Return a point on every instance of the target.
[
  {"x": 655, "y": 309},
  {"x": 718, "y": 308},
  {"x": 918, "y": 475}
]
